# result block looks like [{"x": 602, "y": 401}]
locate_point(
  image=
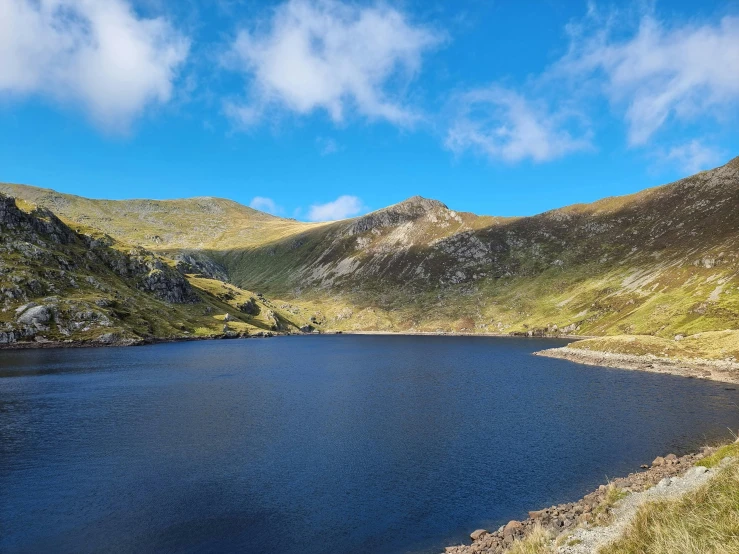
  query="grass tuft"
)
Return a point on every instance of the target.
[
  {"x": 602, "y": 512},
  {"x": 538, "y": 541}
]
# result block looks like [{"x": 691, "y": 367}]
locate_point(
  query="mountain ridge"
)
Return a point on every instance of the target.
[{"x": 660, "y": 261}]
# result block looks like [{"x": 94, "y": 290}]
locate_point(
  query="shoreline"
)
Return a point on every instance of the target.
[
  {"x": 30, "y": 345},
  {"x": 27, "y": 345},
  {"x": 593, "y": 513},
  {"x": 696, "y": 368},
  {"x": 442, "y": 334}
]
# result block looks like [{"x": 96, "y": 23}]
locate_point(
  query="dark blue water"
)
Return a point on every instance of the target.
[{"x": 319, "y": 444}]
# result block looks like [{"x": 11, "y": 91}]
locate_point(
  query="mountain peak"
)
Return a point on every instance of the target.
[
  {"x": 411, "y": 209},
  {"x": 421, "y": 202}
]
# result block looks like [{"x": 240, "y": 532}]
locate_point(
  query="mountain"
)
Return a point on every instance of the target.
[
  {"x": 58, "y": 284},
  {"x": 660, "y": 262}
]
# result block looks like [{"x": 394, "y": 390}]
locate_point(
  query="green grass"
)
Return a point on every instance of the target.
[
  {"x": 714, "y": 459},
  {"x": 711, "y": 345}
]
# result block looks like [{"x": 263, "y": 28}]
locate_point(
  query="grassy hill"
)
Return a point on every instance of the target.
[{"x": 660, "y": 262}]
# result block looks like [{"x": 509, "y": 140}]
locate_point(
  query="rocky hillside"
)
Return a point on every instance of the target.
[
  {"x": 61, "y": 285},
  {"x": 663, "y": 261}
]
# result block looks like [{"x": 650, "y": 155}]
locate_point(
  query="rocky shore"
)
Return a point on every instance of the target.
[
  {"x": 715, "y": 370},
  {"x": 590, "y": 519}
]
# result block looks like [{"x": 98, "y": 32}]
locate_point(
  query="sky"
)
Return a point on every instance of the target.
[{"x": 322, "y": 110}]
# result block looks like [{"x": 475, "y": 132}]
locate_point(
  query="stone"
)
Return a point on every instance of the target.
[
  {"x": 37, "y": 316},
  {"x": 671, "y": 459},
  {"x": 478, "y": 533},
  {"x": 21, "y": 309},
  {"x": 658, "y": 461},
  {"x": 108, "y": 338},
  {"x": 664, "y": 483},
  {"x": 697, "y": 470},
  {"x": 512, "y": 527}
]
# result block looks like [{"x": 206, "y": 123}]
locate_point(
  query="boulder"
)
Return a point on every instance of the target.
[
  {"x": 21, "y": 309},
  {"x": 671, "y": 459},
  {"x": 37, "y": 316},
  {"x": 512, "y": 528},
  {"x": 478, "y": 533},
  {"x": 658, "y": 461}
]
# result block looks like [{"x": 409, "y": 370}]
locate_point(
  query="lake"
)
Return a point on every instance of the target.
[{"x": 320, "y": 444}]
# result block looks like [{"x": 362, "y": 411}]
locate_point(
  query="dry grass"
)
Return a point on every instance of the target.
[
  {"x": 702, "y": 522},
  {"x": 538, "y": 541},
  {"x": 602, "y": 513}
]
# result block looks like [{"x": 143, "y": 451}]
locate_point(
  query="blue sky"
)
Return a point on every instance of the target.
[{"x": 319, "y": 109}]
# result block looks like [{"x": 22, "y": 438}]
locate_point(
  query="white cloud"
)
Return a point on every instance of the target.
[
  {"x": 341, "y": 208},
  {"x": 264, "y": 204},
  {"x": 332, "y": 56},
  {"x": 502, "y": 124},
  {"x": 693, "y": 156},
  {"x": 95, "y": 53},
  {"x": 658, "y": 72}
]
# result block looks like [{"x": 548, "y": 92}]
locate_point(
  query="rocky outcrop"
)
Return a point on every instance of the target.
[
  {"x": 168, "y": 286},
  {"x": 38, "y": 316},
  {"x": 250, "y": 307},
  {"x": 405, "y": 211},
  {"x": 198, "y": 264},
  {"x": 151, "y": 274}
]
